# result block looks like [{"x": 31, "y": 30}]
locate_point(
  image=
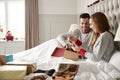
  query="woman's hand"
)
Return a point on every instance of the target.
[{"x": 76, "y": 48}]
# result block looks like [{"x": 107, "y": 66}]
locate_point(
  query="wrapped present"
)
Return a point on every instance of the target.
[
  {"x": 66, "y": 72},
  {"x": 9, "y": 58},
  {"x": 58, "y": 52},
  {"x": 10, "y": 72},
  {"x": 31, "y": 66},
  {"x": 71, "y": 55},
  {"x": 2, "y": 59},
  {"x": 36, "y": 76}
]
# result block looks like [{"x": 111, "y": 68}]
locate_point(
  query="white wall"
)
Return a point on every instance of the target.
[
  {"x": 82, "y": 5},
  {"x": 57, "y": 6},
  {"x": 57, "y": 15}
]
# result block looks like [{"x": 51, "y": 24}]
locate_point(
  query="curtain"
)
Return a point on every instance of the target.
[{"x": 31, "y": 24}]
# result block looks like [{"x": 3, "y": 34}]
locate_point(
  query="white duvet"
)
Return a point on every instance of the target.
[{"x": 87, "y": 70}]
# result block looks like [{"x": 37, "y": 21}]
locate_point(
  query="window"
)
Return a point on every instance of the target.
[{"x": 12, "y": 17}]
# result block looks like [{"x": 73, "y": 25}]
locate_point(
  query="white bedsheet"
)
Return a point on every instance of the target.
[
  {"x": 87, "y": 70},
  {"x": 41, "y": 52}
]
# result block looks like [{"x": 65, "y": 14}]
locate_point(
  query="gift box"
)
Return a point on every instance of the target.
[
  {"x": 36, "y": 76},
  {"x": 71, "y": 55},
  {"x": 66, "y": 72},
  {"x": 9, "y": 58},
  {"x": 62, "y": 52},
  {"x": 10, "y": 72},
  {"x": 2, "y": 59},
  {"x": 31, "y": 66},
  {"x": 58, "y": 52}
]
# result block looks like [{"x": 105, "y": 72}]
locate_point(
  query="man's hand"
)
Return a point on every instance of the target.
[{"x": 72, "y": 39}]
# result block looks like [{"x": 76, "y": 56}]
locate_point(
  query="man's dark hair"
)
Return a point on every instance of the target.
[{"x": 84, "y": 15}]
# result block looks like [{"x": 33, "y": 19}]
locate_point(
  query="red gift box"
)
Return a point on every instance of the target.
[
  {"x": 58, "y": 52},
  {"x": 61, "y": 52}
]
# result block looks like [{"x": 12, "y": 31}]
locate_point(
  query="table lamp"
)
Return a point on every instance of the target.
[{"x": 117, "y": 37}]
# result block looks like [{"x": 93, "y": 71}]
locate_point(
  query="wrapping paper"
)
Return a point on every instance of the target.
[
  {"x": 2, "y": 59},
  {"x": 31, "y": 66},
  {"x": 8, "y": 72}
]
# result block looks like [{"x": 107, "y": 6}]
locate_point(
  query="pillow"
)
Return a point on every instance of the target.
[
  {"x": 73, "y": 27},
  {"x": 115, "y": 60}
]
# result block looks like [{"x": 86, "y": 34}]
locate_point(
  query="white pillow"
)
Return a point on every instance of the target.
[
  {"x": 73, "y": 27},
  {"x": 115, "y": 60}
]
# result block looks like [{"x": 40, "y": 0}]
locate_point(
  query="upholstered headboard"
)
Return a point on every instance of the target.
[{"x": 111, "y": 8}]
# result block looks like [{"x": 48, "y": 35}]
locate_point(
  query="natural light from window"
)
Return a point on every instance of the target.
[{"x": 12, "y": 18}]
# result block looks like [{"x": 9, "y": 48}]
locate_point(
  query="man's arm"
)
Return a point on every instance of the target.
[{"x": 62, "y": 38}]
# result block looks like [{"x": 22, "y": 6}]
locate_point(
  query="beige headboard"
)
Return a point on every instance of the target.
[{"x": 111, "y": 8}]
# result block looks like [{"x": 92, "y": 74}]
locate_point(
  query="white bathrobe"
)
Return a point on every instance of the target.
[
  {"x": 85, "y": 38},
  {"x": 103, "y": 48}
]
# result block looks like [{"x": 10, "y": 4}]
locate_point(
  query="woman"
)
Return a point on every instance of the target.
[{"x": 101, "y": 44}]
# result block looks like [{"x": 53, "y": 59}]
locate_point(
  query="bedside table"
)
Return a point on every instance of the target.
[{"x": 10, "y": 47}]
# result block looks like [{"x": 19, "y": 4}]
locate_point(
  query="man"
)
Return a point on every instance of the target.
[{"x": 83, "y": 34}]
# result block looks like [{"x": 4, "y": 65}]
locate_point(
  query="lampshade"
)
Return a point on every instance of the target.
[{"x": 117, "y": 36}]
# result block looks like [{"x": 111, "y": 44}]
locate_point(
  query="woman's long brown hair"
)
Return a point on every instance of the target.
[{"x": 102, "y": 25}]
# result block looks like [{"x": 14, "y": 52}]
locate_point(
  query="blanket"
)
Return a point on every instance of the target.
[{"x": 88, "y": 70}]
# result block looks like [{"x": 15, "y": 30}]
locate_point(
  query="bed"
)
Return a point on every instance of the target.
[{"x": 88, "y": 70}]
